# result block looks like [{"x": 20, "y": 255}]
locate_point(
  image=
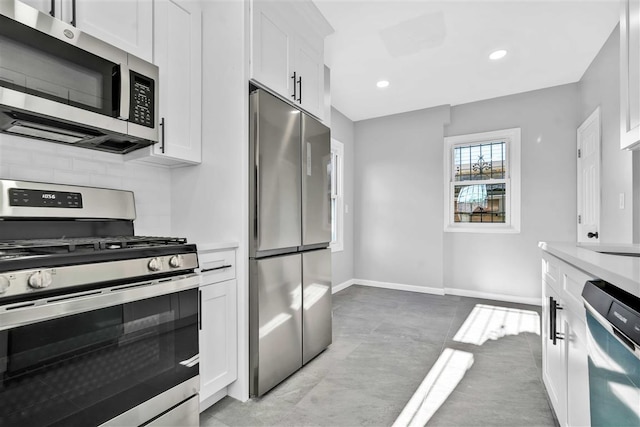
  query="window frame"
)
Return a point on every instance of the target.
[
  {"x": 512, "y": 137},
  {"x": 337, "y": 193}
]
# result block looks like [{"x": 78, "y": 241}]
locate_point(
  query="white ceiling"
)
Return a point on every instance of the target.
[{"x": 436, "y": 52}]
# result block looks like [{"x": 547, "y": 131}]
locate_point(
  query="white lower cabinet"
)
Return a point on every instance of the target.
[
  {"x": 218, "y": 325},
  {"x": 565, "y": 369},
  {"x": 218, "y": 337},
  {"x": 553, "y": 355}
]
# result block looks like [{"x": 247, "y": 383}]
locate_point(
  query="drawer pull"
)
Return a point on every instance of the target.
[{"x": 222, "y": 267}]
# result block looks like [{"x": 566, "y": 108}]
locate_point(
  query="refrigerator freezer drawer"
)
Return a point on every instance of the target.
[
  {"x": 275, "y": 321},
  {"x": 316, "y": 300}
]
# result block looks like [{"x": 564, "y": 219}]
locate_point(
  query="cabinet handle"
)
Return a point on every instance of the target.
[
  {"x": 162, "y": 127},
  {"x": 222, "y": 267},
  {"x": 200, "y": 310},
  {"x": 294, "y": 86},
  {"x": 52, "y": 12},
  {"x": 553, "y": 321},
  {"x": 300, "y": 90},
  {"x": 73, "y": 12},
  {"x": 592, "y": 235}
]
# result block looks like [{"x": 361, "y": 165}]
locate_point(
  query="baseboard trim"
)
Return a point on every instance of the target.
[
  {"x": 437, "y": 291},
  {"x": 212, "y": 399},
  {"x": 490, "y": 295},
  {"x": 342, "y": 286},
  {"x": 400, "y": 287}
]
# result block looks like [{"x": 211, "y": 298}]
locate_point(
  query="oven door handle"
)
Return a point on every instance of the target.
[
  {"x": 125, "y": 92},
  {"x": 54, "y": 307}
]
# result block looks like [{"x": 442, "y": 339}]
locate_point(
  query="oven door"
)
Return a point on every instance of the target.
[{"x": 124, "y": 355}]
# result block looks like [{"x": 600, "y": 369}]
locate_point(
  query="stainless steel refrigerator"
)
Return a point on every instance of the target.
[{"x": 289, "y": 236}]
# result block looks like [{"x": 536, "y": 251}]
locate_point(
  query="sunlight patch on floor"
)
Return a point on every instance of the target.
[
  {"x": 490, "y": 322},
  {"x": 436, "y": 387},
  {"x": 485, "y": 322}
]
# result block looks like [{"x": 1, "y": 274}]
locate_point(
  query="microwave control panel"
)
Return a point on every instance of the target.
[{"x": 142, "y": 100}]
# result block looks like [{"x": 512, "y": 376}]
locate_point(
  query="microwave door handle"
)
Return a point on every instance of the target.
[{"x": 125, "y": 92}]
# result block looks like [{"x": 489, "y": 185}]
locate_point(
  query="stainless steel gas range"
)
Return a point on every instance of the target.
[{"x": 98, "y": 326}]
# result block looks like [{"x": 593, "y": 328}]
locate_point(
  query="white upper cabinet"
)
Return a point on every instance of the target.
[
  {"x": 178, "y": 54},
  {"x": 271, "y": 50},
  {"x": 126, "y": 24},
  {"x": 309, "y": 64},
  {"x": 287, "y": 51},
  {"x": 630, "y": 74}
]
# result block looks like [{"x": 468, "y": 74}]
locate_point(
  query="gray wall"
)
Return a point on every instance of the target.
[
  {"x": 599, "y": 86},
  {"x": 398, "y": 198},
  {"x": 508, "y": 264},
  {"x": 342, "y": 129}
]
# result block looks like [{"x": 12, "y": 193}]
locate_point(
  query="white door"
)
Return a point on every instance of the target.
[{"x": 589, "y": 179}]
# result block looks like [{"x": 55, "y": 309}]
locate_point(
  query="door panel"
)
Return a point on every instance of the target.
[
  {"x": 589, "y": 178},
  {"x": 275, "y": 173},
  {"x": 316, "y": 187},
  {"x": 276, "y": 323},
  {"x": 316, "y": 303}
]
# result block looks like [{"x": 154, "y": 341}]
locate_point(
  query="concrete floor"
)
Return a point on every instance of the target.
[{"x": 470, "y": 362}]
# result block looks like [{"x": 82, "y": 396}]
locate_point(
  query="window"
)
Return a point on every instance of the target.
[
  {"x": 337, "y": 198},
  {"x": 482, "y": 182}
]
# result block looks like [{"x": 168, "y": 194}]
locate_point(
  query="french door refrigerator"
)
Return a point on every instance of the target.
[{"x": 289, "y": 235}]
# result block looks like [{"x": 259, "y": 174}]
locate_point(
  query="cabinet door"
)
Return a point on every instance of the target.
[
  {"x": 309, "y": 67},
  {"x": 178, "y": 54},
  {"x": 271, "y": 45},
  {"x": 578, "y": 413},
  {"x": 553, "y": 356},
  {"x": 127, "y": 24},
  {"x": 50, "y": 7},
  {"x": 218, "y": 337}
]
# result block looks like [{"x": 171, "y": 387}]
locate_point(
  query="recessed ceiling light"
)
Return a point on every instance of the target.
[
  {"x": 382, "y": 83},
  {"x": 498, "y": 54}
]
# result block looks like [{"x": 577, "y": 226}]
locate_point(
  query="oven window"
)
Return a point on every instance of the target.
[
  {"x": 41, "y": 65},
  {"x": 87, "y": 368}
]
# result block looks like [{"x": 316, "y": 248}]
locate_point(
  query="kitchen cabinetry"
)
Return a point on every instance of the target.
[
  {"x": 565, "y": 361},
  {"x": 630, "y": 74},
  {"x": 178, "y": 54},
  {"x": 287, "y": 51},
  {"x": 126, "y": 24},
  {"x": 218, "y": 325}
]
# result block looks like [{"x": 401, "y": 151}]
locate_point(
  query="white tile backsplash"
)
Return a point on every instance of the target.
[{"x": 34, "y": 160}]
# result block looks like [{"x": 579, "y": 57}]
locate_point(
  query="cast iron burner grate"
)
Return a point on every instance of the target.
[{"x": 16, "y": 248}]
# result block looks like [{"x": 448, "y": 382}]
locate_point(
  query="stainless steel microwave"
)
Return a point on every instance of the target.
[{"x": 62, "y": 85}]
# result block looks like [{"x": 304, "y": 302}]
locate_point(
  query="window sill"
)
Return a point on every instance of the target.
[{"x": 485, "y": 228}]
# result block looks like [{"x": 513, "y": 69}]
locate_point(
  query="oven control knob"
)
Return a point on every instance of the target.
[
  {"x": 4, "y": 284},
  {"x": 40, "y": 279},
  {"x": 175, "y": 261},
  {"x": 154, "y": 264}
]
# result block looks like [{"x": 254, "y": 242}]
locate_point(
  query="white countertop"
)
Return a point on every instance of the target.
[
  {"x": 206, "y": 247},
  {"x": 620, "y": 271}
]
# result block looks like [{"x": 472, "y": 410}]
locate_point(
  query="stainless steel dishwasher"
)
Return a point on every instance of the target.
[{"x": 613, "y": 322}]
